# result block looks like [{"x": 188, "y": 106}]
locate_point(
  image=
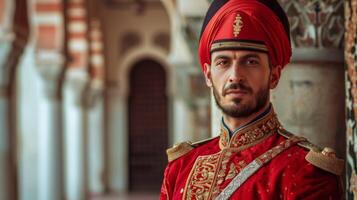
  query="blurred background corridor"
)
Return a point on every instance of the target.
[{"x": 93, "y": 92}]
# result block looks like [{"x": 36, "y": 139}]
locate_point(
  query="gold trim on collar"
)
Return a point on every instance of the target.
[
  {"x": 251, "y": 134},
  {"x": 238, "y": 44}
]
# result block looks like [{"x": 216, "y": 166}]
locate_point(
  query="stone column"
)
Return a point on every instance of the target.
[
  {"x": 6, "y": 39},
  {"x": 76, "y": 80},
  {"x": 117, "y": 140},
  {"x": 94, "y": 131},
  {"x": 14, "y": 32},
  {"x": 95, "y": 105},
  {"x": 4, "y": 123},
  {"x": 49, "y": 60},
  {"x": 50, "y": 132},
  {"x": 75, "y": 138}
]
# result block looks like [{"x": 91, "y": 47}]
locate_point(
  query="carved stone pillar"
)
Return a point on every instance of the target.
[
  {"x": 4, "y": 131},
  {"x": 309, "y": 99},
  {"x": 50, "y": 132},
  {"x": 75, "y": 138},
  {"x": 76, "y": 79},
  {"x": 49, "y": 60},
  {"x": 118, "y": 150},
  {"x": 14, "y": 31},
  {"x": 95, "y": 130},
  {"x": 95, "y": 110}
]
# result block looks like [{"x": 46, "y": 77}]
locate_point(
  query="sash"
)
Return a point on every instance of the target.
[{"x": 255, "y": 165}]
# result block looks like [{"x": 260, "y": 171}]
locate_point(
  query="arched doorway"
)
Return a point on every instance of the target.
[{"x": 148, "y": 126}]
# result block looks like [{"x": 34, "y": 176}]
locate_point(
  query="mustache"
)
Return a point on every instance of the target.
[{"x": 236, "y": 86}]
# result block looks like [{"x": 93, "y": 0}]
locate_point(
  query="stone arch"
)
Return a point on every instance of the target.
[{"x": 141, "y": 53}]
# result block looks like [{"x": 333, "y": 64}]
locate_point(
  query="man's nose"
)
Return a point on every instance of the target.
[{"x": 236, "y": 73}]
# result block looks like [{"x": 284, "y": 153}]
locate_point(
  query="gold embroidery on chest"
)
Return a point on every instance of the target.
[
  {"x": 226, "y": 171},
  {"x": 232, "y": 172},
  {"x": 210, "y": 172},
  {"x": 201, "y": 177}
]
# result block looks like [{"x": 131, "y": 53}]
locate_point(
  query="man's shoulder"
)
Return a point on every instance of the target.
[
  {"x": 181, "y": 149},
  {"x": 323, "y": 158}
]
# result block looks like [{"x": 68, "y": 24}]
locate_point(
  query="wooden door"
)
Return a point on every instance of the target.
[{"x": 148, "y": 126}]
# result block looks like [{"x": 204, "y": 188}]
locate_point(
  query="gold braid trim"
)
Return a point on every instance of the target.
[
  {"x": 326, "y": 162},
  {"x": 178, "y": 150},
  {"x": 182, "y": 148},
  {"x": 322, "y": 158},
  {"x": 238, "y": 44}
]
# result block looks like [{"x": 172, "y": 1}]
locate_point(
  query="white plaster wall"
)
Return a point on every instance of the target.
[
  {"x": 29, "y": 84},
  {"x": 197, "y": 8},
  {"x": 216, "y": 117},
  {"x": 182, "y": 130},
  {"x": 117, "y": 22}
]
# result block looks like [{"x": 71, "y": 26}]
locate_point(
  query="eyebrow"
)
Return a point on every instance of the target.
[
  {"x": 249, "y": 55},
  {"x": 221, "y": 57}
]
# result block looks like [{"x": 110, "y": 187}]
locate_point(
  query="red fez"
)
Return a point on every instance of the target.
[{"x": 245, "y": 25}]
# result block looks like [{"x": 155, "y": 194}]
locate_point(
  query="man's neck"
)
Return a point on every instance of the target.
[{"x": 234, "y": 123}]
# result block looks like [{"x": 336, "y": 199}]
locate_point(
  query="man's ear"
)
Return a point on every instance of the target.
[
  {"x": 275, "y": 76},
  {"x": 207, "y": 73}
]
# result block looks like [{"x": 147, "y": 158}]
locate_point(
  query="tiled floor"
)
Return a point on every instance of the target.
[{"x": 128, "y": 197}]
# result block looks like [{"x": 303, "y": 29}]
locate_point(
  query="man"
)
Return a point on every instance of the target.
[{"x": 244, "y": 45}]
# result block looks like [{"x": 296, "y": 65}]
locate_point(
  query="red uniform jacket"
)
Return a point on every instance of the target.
[{"x": 202, "y": 171}]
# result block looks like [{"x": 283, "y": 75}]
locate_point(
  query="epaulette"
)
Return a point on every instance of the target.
[
  {"x": 323, "y": 158},
  {"x": 182, "y": 148}
]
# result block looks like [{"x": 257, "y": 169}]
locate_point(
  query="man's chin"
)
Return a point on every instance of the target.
[{"x": 238, "y": 108}]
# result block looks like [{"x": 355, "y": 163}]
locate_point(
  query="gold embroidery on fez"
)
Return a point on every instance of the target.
[{"x": 237, "y": 26}]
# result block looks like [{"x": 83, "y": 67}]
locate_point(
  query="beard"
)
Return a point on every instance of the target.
[{"x": 240, "y": 109}]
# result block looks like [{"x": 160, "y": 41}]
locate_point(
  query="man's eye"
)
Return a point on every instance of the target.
[
  {"x": 252, "y": 62},
  {"x": 222, "y": 63}
]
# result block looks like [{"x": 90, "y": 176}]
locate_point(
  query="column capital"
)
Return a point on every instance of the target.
[
  {"x": 6, "y": 21},
  {"x": 93, "y": 92},
  {"x": 50, "y": 66},
  {"x": 76, "y": 81}
]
